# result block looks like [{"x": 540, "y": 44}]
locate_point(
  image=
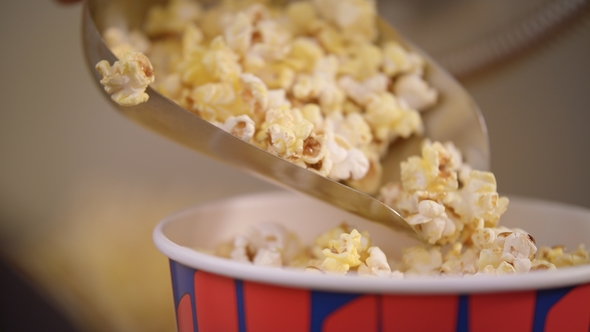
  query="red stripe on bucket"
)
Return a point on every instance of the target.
[
  {"x": 184, "y": 314},
  {"x": 360, "y": 314},
  {"x": 215, "y": 301},
  {"x": 271, "y": 308},
  {"x": 420, "y": 313},
  {"x": 512, "y": 311},
  {"x": 571, "y": 312}
]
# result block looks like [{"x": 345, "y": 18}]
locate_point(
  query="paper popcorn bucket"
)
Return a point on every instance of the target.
[{"x": 217, "y": 294}]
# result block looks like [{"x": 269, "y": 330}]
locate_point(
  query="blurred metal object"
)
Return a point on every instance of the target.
[
  {"x": 456, "y": 118},
  {"x": 513, "y": 39},
  {"x": 471, "y": 38}
]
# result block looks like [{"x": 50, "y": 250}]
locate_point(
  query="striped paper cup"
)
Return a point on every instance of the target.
[{"x": 216, "y": 294}]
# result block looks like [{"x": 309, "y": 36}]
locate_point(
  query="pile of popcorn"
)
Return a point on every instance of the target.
[
  {"x": 492, "y": 251},
  {"x": 455, "y": 210},
  {"x": 307, "y": 81},
  {"x": 310, "y": 82}
]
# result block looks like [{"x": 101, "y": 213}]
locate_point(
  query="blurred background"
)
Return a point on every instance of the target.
[{"x": 81, "y": 187}]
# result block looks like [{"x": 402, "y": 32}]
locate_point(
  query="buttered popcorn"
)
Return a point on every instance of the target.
[
  {"x": 128, "y": 78},
  {"x": 442, "y": 198},
  {"x": 456, "y": 210},
  {"x": 308, "y": 81},
  {"x": 344, "y": 250},
  {"x": 312, "y": 83}
]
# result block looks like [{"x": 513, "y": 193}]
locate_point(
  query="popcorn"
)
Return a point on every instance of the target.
[
  {"x": 484, "y": 238},
  {"x": 346, "y": 161},
  {"x": 289, "y": 135},
  {"x": 362, "y": 61},
  {"x": 342, "y": 254},
  {"x": 313, "y": 113},
  {"x": 275, "y": 75},
  {"x": 239, "y": 33},
  {"x": 390, "y": 119},
  {"x": 323, "y": 240},
  {"x": 328, "y": 37},
  {"x": 519, "y": 249},
  {"x": 214, "y": 19},
  {"x": 429, "y": 172},
  {"x": 277, "y": 99},
  {"x": 300, "y": 14},
  {"x": 397, "y": 60},
  {"x": 539, "y": 265},
  {"x": 351, "y": 127},
  {"x": 321, "y": 85},
  {"x": 128, "y": 78},
  {"x": 343, "y": 250},
  {"x": 167, "y": 56},
  {"x": 212, "y": 101},
  {"x": 430, "y": 187},
  {"x": 360, "y": 92},
  {"x": 121, "y": 41},
  {"x": 431, "y": 221},
  {"x": 267, "y": 244},
  {"x": 240, "y": 249},
  {"x": 170, "y": 87},
  {"x": 478, "y": 200},
  {"x": 240, "y": 126},
  {"x": 503, "y": 247},
  {"x": 376, "y": 264},
  {"x": 356, "y": 19},
  {"x": 268, "y": 257},
  {"x": 503, "y": 268},
  {"x": 308, "y": 82},
  {"x": 558, "y": 257},
  {"x": 433, "y": 176},
  {"x": 273, "y": 40},
  {"x": 304, "y": 54},
  {"x": 460, "y": 261},
  {"x": 192, "y": 40},
  {"x": 419, "y": 260},
  {"x": 488, "y": 250},
  {"x": 309, "y": 78},
  {"x": 221, "y": 62},
  {"x": 172, "y": 18},
  {"x": 415, "y": 92},
  {"x": 371, "y": 182},
  {"x": 254, "y": 93}
]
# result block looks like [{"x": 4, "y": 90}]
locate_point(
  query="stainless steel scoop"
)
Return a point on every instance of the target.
[{"x": 456, "y": 118}]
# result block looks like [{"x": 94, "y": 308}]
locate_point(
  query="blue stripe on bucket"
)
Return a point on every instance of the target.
[
  {"x": 545, "y": 300},
  {"x": 240, "y": 306}
]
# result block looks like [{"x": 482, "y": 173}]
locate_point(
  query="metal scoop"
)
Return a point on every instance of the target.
[{"x": 455, "y": 118}]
